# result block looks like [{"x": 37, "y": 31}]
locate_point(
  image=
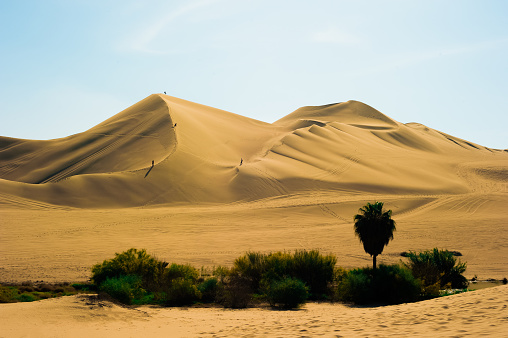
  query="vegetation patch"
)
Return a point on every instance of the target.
[
  {"x": 287, "y": 293},
  {"x": 388, "y": 284},
  {"x": 437, "y": 270},
  {"x": 29, "y": 291}
]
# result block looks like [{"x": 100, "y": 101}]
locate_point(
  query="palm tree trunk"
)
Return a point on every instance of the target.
[{"x": 374, "y": 262}]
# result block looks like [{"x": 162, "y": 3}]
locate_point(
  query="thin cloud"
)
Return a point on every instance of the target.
[
  {"x": 336, "y": 36},
  {"x": 142, "y": 41}
]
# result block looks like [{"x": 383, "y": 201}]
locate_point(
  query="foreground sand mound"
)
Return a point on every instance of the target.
[
  {"x": 475, "y": 313},
  {"x": 206, "y": 155}
]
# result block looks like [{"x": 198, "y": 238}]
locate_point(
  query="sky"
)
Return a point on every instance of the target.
[{"x": 67, "y": 65}]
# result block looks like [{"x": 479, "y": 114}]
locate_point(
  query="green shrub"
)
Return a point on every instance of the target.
[
  {"x": 287, "y": 293},
  {"x": 316, "y": 270},
  {"x": 388, "y": 284},
  {"x": 437, "y": 268},
  {"x": 235, "y": 291},
  {"x": 181, "y": 292},
  {"x": 251, "y": 267},
  {"x": 132, "y": 262},
  {"x": 175, "y": 271},
  {"x": 208, "y": 289},
  {"x": 311, "y": 267},
  {"x": 356, "y": 286},
  {"x": 8, "y": 294},
  {"x": 123, "y": 288},
  {"x": 26, "y": 297},
  {"x": 277, "y": 266}
]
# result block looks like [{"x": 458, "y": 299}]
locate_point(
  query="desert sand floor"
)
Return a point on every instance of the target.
[
  {"x": 483, "y": 312},
  {"x": 43, "y": 242}
]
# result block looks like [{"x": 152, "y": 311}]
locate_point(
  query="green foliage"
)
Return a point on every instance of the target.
[
  {"x": 209, "y": 289},
  {"x": 135, "y": 277},
  {"x": 316, "y": 270},
  {"x": 123, "y": 288},
  {"x": 389, "y": 284},
  {"x": 175, "y": 271},
  {"x": 8, "y": 294},
  {"x": 84, "y": 287},
  {"x": 437, "y": 269},
  {"x": 251, "y": 267},
  {"x": 357, "y": 287},
  {"x": 287, "y": 293},
  {"x": 26, "y": 297},
  {"x": 234, "y": 290},
  {"x": 132, "y": 262},
  {"x": 311, "y": 267},
  {"x": 374, "y": 227},
  {"x": 29, "y": 292},
  {"x": 182, "y": 291}
]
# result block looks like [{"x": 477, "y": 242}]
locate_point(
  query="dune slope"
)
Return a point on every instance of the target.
[{"x": 206, "y": 155}]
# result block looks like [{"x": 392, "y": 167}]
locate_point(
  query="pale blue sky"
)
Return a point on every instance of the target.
[{"x": 66, "y": 66}]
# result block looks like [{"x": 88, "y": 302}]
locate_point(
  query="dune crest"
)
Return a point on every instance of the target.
[
  {"x": 351, "y": 112},
  {"x": 206, "y": 155}
]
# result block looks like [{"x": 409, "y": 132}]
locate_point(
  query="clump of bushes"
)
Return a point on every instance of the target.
[
  {"x": 282, "y": 279},
  {"x": 126, "y": 289},
  {"x": 135, "y": 277},
  {"x": 132, "y": 262},
  {"x": 388, "y": 284},
  {"x": 310, "y": 267},
  {"x": 287, "y": 293},
  {"x": 234, "y": 291},
  {"x": 437, "y": 269}
]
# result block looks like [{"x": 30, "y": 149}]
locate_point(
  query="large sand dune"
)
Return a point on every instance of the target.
[
  {"x": 348, "y": 147},
  {"x": 223, "y": 184}
]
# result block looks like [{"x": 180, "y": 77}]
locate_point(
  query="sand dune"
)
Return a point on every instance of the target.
[
  {"x": 223, "y": 184},
  {"x": 197, "y": 151}
]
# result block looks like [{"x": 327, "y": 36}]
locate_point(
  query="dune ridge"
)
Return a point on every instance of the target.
[{"x": 206, "y": 155}]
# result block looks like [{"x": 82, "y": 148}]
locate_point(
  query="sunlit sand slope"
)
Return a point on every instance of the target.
[{"x": 206, "y": 155}]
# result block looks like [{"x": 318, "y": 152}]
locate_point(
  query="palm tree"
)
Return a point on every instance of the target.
[{"x": 374, "y": 228}]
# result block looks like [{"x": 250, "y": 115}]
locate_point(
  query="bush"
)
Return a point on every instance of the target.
[
  {"x": 134, "y": 277},
  {"x": 26, "y": 297},
  {"x": 437, "y": 269},
  {"x": 124, "y": 288},
  {"x": 182, "y": 291},
  {"x": 287, "y": 293},
  {"x": 251, "y": 267},
  {"x": 132, "y": 262},
  {"x": 8, "y": 294},
  {"x": 208, "y": 289},
  {"x": 175, "y": 271},
  {"x": 235, "y": 291},
  {"x": 356, "y": 286},
  {"x": 314, "y": 269},
  {"x": 388, "y": 284}
]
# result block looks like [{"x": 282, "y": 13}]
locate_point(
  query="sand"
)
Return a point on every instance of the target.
[
  {"x": 482, "y": 312},
  {"x": 223, "y": 184}
]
